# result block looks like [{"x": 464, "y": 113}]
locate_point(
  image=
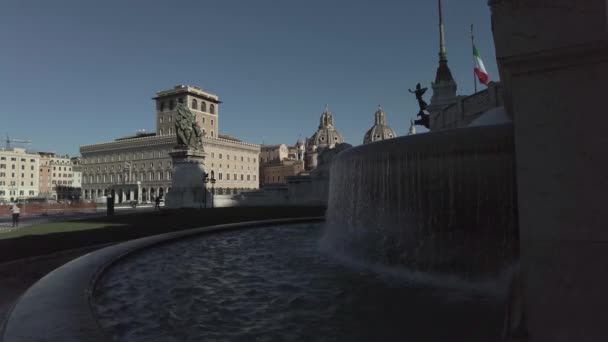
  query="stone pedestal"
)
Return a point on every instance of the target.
[
  {"x": 553, "y": 60},
  {"x": 187, "y": 187}
]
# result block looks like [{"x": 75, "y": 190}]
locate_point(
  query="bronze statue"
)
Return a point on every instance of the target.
[
  {"x": 423, "y": 113},
  {"x": 188, "y": 132},
  {"x": 419, "y": 93}
]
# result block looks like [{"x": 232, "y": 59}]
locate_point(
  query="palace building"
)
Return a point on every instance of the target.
[{"x": 139, "y": 167}]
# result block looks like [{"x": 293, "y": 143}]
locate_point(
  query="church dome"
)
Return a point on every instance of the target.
[
  {"x": 380, "y": 130},
  {"x": 326, "y": 136}
]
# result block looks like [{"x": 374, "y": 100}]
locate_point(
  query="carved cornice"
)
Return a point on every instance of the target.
[
  {"x": 559, "y": 58},
  {"x": 566, "y": 5},
  {"x": 165, "y": 141}
]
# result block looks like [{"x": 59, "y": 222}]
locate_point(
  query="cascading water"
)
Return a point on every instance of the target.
[{"x": 441, "y": 202}]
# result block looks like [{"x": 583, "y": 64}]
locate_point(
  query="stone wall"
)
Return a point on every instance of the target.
[
  {"x": 553, "y": 59},
  {"x": 468, "y": 108}
]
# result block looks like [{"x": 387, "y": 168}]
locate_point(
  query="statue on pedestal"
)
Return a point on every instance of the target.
[{"x": 188, "y": 132}]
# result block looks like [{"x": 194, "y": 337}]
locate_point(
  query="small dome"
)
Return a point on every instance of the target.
[{"x": 380, "y": 130}]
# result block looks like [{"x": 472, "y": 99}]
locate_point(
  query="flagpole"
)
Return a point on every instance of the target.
[{"x": 474, "y": 64}]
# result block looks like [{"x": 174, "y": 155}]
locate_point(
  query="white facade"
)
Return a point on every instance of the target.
[{"x": 19, "y": 176}]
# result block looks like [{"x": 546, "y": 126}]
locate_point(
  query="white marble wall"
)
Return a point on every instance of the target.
[{"x": 553, "y": 58}]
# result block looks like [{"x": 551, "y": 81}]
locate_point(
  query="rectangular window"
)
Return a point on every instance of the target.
[
  {"x": 227, "y": 176},
  {"x": 13, "y": 159},
  {"x": 242, "y": 177},
  {"x": 220, "y": 156},
  {"x": 235, "y": 177},
  {"x": 31, "y": 160},
  {"x": 220, "y": 176},
  {"x": 22, "y": 160}
]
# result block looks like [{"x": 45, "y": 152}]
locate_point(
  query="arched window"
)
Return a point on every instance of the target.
[
  {"x": 212, "y": 174},
  {"x": 160, "y": 131},
  {"x": 203, "y": 106},
  {"x": 212, "y": 108},
  {"x": 194, "y": 104}
]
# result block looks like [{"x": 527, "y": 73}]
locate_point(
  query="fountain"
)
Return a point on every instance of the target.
[{"x": 441, "y": 202}]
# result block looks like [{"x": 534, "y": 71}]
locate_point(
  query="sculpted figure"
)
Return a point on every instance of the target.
[
  {"x": 419, "y": 93},
  {"x": 188, "y": 132},
  {"x": 423, "y": 114}
]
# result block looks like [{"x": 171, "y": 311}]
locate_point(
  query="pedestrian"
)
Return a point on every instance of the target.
[
  {"x": 157, "y": 200},
  {"x": 16, "y": 211}
]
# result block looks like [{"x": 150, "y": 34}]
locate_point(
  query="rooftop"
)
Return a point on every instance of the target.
[{"x": 187, "y": 89}]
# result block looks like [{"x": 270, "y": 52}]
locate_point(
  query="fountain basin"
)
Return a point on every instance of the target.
[
  {"x": 279, "y": 283},
  {"x": 57, "y": 307}
]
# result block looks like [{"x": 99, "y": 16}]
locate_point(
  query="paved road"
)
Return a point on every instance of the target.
[{"x": 6, "y": 221}]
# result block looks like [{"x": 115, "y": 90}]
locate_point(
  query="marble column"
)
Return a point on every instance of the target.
[{"x": 553, "y": 61}]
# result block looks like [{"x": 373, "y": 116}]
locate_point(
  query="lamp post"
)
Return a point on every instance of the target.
[
  {"x": 205, "y": 181},
  {"x": 212, "y": 189}
]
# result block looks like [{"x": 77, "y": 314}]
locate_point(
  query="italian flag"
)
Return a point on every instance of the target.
[{"x": 480, "y": 69}]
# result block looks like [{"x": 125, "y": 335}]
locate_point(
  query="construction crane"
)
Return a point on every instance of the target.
[{"x": 9, "y": 141}]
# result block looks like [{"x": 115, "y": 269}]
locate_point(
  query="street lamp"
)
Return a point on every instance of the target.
[
  {"x": 212, "y": 188},
  {"x": 205, "y": 181}
]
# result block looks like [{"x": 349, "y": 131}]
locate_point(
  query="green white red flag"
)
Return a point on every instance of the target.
[{"x": 480, "y": 69}]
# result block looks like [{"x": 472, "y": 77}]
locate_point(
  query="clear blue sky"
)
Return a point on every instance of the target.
[{"x": 76, "y": 72}]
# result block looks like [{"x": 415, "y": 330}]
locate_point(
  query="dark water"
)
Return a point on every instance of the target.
[{"x": 278, "y": 284}]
